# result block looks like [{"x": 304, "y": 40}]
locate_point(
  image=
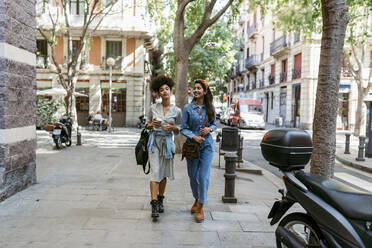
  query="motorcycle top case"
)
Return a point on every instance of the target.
[{"x": 287, "y": 149}]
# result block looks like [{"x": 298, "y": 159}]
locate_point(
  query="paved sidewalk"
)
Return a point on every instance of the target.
[
  {"x": 350, "y": 159},
  {"x": 94, "y": 197}
]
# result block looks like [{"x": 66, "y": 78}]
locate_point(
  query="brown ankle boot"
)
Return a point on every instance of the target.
[
  {"x": 199, "y": 216},
  {"x": 194, "y": 207}
]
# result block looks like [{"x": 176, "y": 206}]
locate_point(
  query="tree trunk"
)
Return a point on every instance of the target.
[
  {"x": 335, "y": 19},
  {"x": 181, "y": 83},
  {"x": 358, "y": 116}
]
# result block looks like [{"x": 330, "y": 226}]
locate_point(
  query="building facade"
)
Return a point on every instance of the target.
[
  {"x": 123, "y": 35},
  {"x": 281, "y": 70}
]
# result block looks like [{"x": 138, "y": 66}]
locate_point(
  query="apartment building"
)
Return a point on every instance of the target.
[
  {"x": 123, "y": 35},
  {"x": 281, "y": 69}
]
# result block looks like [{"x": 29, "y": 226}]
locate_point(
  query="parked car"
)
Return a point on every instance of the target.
[
  {"x": 218, "y": 112},
  {"x": 225, "y": 116},
  {"x": 248, "y": 113}
]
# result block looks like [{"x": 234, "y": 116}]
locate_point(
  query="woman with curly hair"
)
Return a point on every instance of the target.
[
  {"x": 164, "y": 120},
  {"x": 198, "y": 121}
]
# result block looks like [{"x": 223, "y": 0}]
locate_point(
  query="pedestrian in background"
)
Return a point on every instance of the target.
[
  {"x": 198, "y": 169},
  {"x": 164, "y": 120}
]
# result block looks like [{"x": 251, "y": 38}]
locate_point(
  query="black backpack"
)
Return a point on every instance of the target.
[{"x": 142, "y": 153}]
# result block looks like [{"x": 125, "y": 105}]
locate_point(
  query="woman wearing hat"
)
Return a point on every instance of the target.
[{"x": 198, "y": 121}]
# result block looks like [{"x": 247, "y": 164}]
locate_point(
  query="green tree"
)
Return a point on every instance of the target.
[
  {"x": 211, "y": 57},
  {"x": 46, "y": 110},
  {"x": 330, "y": 17},
  {"x": 190, "y": 19}
]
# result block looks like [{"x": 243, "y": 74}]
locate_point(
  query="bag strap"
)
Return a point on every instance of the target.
[{"x": 144, "y": 168}]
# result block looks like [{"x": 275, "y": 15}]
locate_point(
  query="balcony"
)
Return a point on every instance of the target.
[
  {"x": 42, "y": 61},
  {"x": 283, "y": 77},
  {"x": 254, "y": 85},
  {"x": 117, "y": 66},
  {"x": 251, "y": 63},
  {"x": 252, "y": 31},
  {"x": 279, "y": 47},
  {"x": 296, "y": 73},
  {"x": 271, "y": 79}
]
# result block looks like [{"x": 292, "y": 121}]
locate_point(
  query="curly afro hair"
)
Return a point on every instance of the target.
[{"x": 157, "y": 82}]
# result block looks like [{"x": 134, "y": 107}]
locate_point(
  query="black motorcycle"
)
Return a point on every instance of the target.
[
  {"x": 62, "y": 131},
  {"x": 336, "y": 215},
  {"x": 142, "y": 122}
]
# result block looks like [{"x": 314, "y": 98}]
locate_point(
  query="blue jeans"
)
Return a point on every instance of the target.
[{"x": 198, "y": 170}]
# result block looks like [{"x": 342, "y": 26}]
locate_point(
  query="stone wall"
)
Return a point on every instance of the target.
[{"x": 17, "y": 96}]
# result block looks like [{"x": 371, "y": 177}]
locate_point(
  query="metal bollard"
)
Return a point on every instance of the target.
[
  {"x": 78, "y": 137},
  {"x": 361, "y": 147},
  {"x": 230, "y": 159},
  {"x": 347, "y": 143},
  {"x": 240, "y": 151}
]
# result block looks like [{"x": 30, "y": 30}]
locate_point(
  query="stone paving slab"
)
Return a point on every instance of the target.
[{"x": 94, "y": 197}]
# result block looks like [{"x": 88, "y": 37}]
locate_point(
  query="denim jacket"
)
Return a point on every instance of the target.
[{"x": 192, "y": 121}]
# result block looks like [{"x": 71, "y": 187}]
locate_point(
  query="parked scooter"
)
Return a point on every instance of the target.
[
  {"x": 336, "y": 215},
  {"x": 142, "y": 122},
  {"x": 62, "y": 131}
]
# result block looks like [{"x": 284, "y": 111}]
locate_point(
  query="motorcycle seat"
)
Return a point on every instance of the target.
[{"x": 352, "y": 203}]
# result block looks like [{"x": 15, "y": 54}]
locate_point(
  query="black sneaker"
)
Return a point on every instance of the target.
[{"x": 160, "y": 203}]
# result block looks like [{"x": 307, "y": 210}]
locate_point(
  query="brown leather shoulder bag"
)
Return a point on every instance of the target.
[{"x": 191, "y": 150}]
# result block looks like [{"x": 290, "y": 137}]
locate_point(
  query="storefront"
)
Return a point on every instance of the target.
[{"x": 343, "y": 106}]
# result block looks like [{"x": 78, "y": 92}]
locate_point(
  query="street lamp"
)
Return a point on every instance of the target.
[{"x": 110, "y": 63}]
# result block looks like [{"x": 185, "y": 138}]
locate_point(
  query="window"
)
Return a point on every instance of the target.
[
  {"x": 117, "y": 101},
  {"x": 41, "y": 47},
  {"x": 82, "y": 102},
  {"x": 77, "y": 7},
  {"x": 297, "y": 66},
  {"x": 247, "y": 53},
  {"x": 113, "y": 49},
  {"x": 283, "y": 74},
  {"x": 41, "y": 54},
  {"x": 75, "y": 45},
  {"x": 272, "y": 100}
]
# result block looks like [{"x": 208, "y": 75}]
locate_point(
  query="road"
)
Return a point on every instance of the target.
[{"x": 252, "y": 153}]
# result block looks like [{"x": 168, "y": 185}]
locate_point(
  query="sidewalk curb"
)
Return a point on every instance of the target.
[
  {"x": 267, "y": 174},
  {"x": 354, "y": 165}
]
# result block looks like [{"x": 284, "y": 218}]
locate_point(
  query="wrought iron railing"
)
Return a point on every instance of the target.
[
  {"x": 271, "y": 79},
  {"x": 262, "y": 83},
  {"x": 278, "y": 43},
  {"x": 117, "y": 65},
  {"x": 283, "y": 77},
  {"x": 251, "y": 61},
  {"x": 296, "y": 73}
]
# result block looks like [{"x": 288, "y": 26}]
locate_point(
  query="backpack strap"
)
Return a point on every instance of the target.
[{"x": 144, "y": 168}]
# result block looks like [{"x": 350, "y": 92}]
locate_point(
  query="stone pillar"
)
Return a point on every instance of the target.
[
  {"x": 17, "y": 96},
  {"x": 95, "y": 98},
  {"x": 134, "y": 104}
]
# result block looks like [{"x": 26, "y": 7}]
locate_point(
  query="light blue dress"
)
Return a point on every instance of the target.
[
  {"x": 198, "y": 169},
  {"x": 161, "y": 159}
]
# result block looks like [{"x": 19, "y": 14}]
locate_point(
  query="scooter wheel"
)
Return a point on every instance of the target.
[
  {"x": 58, "y": 142},
  {"x": 68, "y": 142},
  {"x": 304, "y": 229}
]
